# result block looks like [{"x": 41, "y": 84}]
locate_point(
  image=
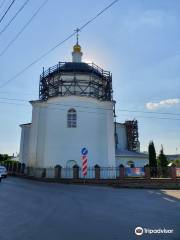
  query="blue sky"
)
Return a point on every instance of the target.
[{"x": 137, "y": 40}]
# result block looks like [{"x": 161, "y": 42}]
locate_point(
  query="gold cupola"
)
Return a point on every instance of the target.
[
  {"x": 77, "y": 48},
  {"x": 77, "y": 54}
]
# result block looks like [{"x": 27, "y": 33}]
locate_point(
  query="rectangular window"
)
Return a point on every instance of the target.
[{"x": 71, "y": 118}]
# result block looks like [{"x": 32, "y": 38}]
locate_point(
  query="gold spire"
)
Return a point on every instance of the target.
[{"x": 77, "y": 47}]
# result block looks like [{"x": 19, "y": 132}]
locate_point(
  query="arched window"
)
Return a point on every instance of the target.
[
  {"x": 71, "y": 118},
  {"x": 70, "y": 163}
]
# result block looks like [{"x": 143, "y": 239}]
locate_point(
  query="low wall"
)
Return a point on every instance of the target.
[
  {"x": 121, "y": 183},
  {"x": 118, "y": 177}
]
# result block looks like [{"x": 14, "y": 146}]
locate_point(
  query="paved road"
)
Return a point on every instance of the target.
[{"x": 31, "y": 210}]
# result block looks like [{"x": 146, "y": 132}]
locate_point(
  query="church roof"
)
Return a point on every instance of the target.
[
  {"x": 127, "y": 153},
  {"x": 79, "y": 67},
  {"x": 25, "y": 124}
]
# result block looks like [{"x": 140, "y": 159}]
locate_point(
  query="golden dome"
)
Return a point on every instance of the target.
[{"x": 77, "y": 48}]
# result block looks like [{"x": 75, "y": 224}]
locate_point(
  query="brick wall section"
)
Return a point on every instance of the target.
[
  {"x": 135, "y": 182},
  {"x": 147, "y": 172},
  {"x": 76, "y": 172},
  {"x": 57, "y": 171},
  {"x": 121, "y": 172},
  {"x": 126, "y": 182},
  {"x": 97, "y": 172},
  {"x": 173, "y": 173}
]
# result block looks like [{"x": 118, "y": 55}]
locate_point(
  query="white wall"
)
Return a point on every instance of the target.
[
  {"x": 53, "y": 143},
  {"x": 24, "y": 144},
  {"x": 122, "y": 137}
]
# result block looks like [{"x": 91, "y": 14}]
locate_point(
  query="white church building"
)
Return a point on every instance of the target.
[{"x": 76, "y": 110}]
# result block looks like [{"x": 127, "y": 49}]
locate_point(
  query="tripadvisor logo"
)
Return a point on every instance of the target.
[{"x": 138, "y": 231}]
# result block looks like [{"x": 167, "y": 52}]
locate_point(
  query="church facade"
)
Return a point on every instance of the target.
[{"x": 76, "y": 110}]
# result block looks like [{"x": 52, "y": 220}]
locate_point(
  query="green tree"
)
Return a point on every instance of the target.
[
  {"x": 163, "y": 162},
  {"x": 152, "y": 155},
  {"x": 177, "y": 162},
  {"x": 4, "y": 157}
]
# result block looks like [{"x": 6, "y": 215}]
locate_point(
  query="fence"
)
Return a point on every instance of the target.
[{"x": 95, "y": 172}]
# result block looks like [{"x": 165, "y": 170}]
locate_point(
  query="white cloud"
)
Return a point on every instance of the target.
[
  {"x": 149, "y": 18},
  {"x": 153, "y": 18},
  {"x": 162, "y": 103}
]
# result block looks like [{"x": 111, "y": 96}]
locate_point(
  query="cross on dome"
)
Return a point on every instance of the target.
[{"x": 77, "y": 30}]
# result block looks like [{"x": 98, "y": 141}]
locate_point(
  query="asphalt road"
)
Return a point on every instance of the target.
[{"x": 31, "y": 210}]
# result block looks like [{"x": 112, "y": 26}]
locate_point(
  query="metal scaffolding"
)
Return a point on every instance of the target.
[
  {"x": 132, "y": 135},
  {"x": 80, "y": 79}
]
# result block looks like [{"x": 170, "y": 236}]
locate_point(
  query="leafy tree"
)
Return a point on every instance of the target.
[
  {"x": 4, "y": 157},
  {"x": 152, "y": 155},
  {"x": 163, "y": 162},
  {"x": 177, "y": 162}
]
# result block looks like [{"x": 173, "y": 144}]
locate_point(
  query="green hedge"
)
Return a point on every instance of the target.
[{"x": 8, "y": 162}]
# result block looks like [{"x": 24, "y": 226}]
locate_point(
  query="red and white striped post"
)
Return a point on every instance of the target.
[
  {"x": 84, "y": 153},
  {"x": 84, "y": 165}
]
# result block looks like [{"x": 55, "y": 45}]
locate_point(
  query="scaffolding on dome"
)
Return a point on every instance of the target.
[{"x": 67, "y": 78}]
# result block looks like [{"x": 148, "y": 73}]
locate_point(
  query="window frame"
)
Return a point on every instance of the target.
[{"x": 71, "y": 118}]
